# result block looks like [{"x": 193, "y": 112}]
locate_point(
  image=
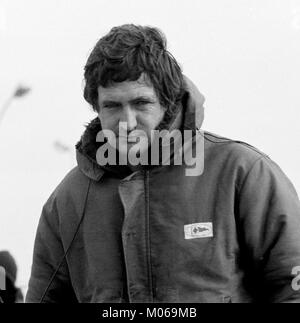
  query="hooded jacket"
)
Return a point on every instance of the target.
[{"x": 231, "y": 234}]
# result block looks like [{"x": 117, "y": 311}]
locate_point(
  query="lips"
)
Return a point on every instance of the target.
[
  {"x": 129, "y": 139},
  {"x": 132, "y": 138}
]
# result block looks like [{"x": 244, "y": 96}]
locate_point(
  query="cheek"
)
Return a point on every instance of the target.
[
  {"x": 156, "y": 118},
  {"x": 161, "y": 115},
  {"x": 108, "y": 121},
  {"x": 153, "y": 119}
]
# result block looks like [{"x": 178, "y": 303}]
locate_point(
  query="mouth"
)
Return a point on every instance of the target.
[{"x": 129, "y": 139}]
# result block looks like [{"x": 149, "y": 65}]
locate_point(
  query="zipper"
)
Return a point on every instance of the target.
[{"x": 147, "y": 234}]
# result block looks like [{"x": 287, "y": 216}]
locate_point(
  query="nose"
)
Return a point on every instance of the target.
[{"x": 129, "y": 116}]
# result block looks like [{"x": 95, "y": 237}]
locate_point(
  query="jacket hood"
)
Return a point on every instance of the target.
[{"x": 189, "y": 117}]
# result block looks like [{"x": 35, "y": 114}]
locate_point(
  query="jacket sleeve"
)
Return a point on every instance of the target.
[
  {"x": 48, "y": 252},
  {"x": 269, "y": 215}
]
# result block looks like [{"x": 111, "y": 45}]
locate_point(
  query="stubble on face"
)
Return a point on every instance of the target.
[{"x": 133, "y": 102}]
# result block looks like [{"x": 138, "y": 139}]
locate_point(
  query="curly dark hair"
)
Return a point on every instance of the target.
[{"x": 124, "y": 54}]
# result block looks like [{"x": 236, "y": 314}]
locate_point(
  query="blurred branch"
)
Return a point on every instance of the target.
[
  {"x": 21, "y": 91},
  {"x": 5, "y": 107},
  {"x": 63, "y": 148},
  {"x": 18, "y": 93}
]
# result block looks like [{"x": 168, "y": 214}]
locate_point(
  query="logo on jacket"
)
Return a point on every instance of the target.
[{"x": 198, "y": 230}]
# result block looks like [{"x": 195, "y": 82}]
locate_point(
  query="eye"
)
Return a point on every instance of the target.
[
  {"x": 141, "y": 102},
  {"x": 111, "y": 106}
]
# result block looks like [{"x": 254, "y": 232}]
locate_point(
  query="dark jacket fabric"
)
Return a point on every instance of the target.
[{"x": 131, "y": 244}]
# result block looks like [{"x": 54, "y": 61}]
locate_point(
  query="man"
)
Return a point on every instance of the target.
[{"x": 138, "y": 232}]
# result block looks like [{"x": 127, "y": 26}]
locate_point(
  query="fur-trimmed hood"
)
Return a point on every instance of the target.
[{"x": 190, "y": 117}]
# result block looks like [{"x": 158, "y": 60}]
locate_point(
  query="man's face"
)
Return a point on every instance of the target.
[{"x": 132, "y": 102}]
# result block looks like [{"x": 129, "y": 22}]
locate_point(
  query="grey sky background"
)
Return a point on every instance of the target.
[{"x": 242, "y": 54}]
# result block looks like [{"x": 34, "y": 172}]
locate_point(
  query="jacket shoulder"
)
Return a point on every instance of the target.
[
  {"x": 233, "y": 150},
  {"x": 74, "y": 182},
  {"x": 239, "y": 159},
  {"x": 66, "y": 201}
]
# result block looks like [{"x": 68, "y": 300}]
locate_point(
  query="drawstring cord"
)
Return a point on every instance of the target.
[{"x": 70, "y": 245}]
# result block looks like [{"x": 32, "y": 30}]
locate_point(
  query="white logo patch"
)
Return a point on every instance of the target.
[{"x": 198, "y": 230}]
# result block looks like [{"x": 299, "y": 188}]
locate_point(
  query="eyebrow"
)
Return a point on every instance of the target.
[
  {"x": 110, "y": 102},
  {"x": 143, "y": 98},
  {"x": 138, "y": 98}
]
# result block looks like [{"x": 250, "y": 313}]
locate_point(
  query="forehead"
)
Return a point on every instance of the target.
[{"x": 126, "y": 90}]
